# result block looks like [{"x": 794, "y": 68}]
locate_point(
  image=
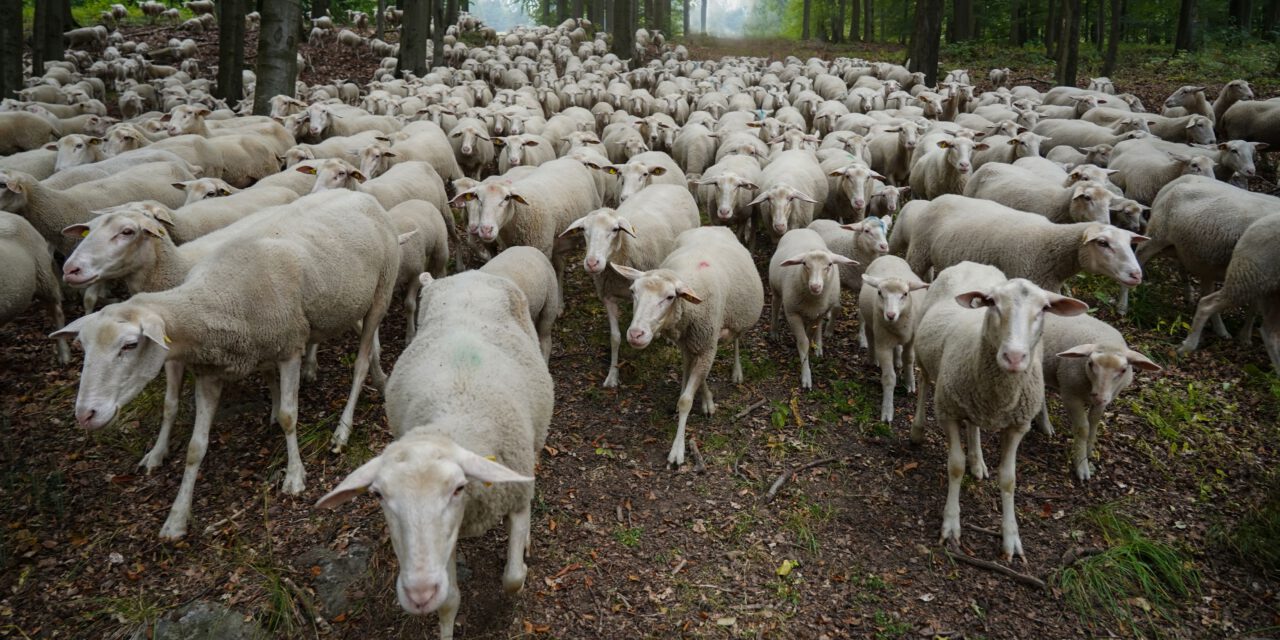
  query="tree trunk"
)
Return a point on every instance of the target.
[
  {"x": 319, "y": 8},
  {"x": 1069, "y": 44},
  {"x": 837, "y": 22},
  {"x": 379, "y": 21},
  {"x": 624, "y": 31},
  {"x": 962, "y": 21},
  {"x": 855, "y": 19},
  {"x": 46, "y": 35},
  {"x": 702, "y": 7},
  {"x": 1053, "y": 29},
  {"x": 10, "y": 49},
  {"x": 1015, "y": 24},
  {"x": 808, "y": 9},
  {"x": 231, "y": 51},
  {"x": 610, "y": 13},
  {"x": 1185, "y": 38},
  {"x": 684, "y": 24},
  {"x": 277, "y": 52},
  {"x": 438, "y": 27},
  {"x": 1242, "y": 14},
  {"x": 577, "y": 9},
  {"x": 450, "y": 14},
  {"x": 413, "y": 37},
  {"x": 868, "y": 25},
  {"x": 906, "y": 19},
  {"x": 1101, "y": 30},
  {"x": 1271, "y": 20},
  {"x": 562, "y": 10},
  {"x": 924, "y": 39},
  {"x": 1113, "y": 42}
]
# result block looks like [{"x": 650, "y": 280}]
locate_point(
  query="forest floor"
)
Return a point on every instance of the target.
[{"x": 623, "y": 547}]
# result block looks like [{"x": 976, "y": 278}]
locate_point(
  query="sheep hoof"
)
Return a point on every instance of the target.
[
  {"x": 514, "y": 583},
  {"x": 950, "y": 529},
  {"x": 1084, "y": 471},
  {"x": 676, "y": 457},
  {"x": 293, "y": 484},
  {"x": 611, "y": 382},
  {"x": 172, "y": 531},
  {"x": 151, "y": 462},
  {"x": 1013, "y": 547}
]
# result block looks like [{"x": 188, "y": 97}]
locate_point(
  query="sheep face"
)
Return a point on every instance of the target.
[
  {"x": 1014, "y": 319},
  {"x": 783, "y": 201},
  {"x": 893, "y": 295},
  {"x": 1108, "y": 251},
  {"x": 1091, "y": 202},
  {"x": 467, "y": 136},
  {"x": 14, "y": 187},
  {"x": 75, "y": 150},
  {"x": 514, "y": 147},
  {"x": 1127, "y": 214},
  {"x": 204, "y": 188},
  {"x": 1183, "y": 97},
  {"x": 1200, "y": 130},
  {"x": 1109, "y": 369},
  {"x": 185, "y": 119},
  {"x": 871, "y": 235},
  {"x": 635, "y": 176},
  {"x": 318, "y": 120},
  {"x": 725, "y": 187},
  {"x": 375, "y": 159},
  {"x": 296, "y": 155},
  {"x": 333, "y": 174},
  {"x": 423, "y": 486},
  {"x": 820, "y": 270},
  {"x": 890, "y": 197},
  {"x": 855, "y": 180},
  {"x": 1238, "y": 156},
  {"x": 960, "y": 153},
  {"x": 497, "y": 206},
  {"x": 656, "y": 302},
  {"x": 125, "y": 347},
  {"x": 603, "y": 230},
  {"x": 110, "y": 243}
]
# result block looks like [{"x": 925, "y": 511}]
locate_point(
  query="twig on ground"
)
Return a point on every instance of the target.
[
  {"x": 683, "y": 562},
  {"x": 214, "y": 527},
  {"x": 786, "y": 475},
  {"x": 752, "y": 407},
  {"x": 317, "y": 618},
  {"x": 699, "y": 465},
  {"x": 974, "y": 527},
  {"x": 1035, "y": 79},
  {"x": 1021, "y": 578}
]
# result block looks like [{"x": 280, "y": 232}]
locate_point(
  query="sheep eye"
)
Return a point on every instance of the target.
[
  {"x": 671, "y": 296},
  {"x": 129, "y": 346},
  {"x": 458, "y": 491},
  {"x": 1104, "y": 244},
  {"x": 127, "y": 232}
]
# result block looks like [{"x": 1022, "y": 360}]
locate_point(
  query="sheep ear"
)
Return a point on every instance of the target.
[
  {"x": 405, "y": 237},
  {"x": 574, "y": 226},
  {"x": 1259, "y": 146},
  {"x": 793, "y": 261},
  {"x": 627, "y": 272},
  {"x": 974, "y": 299},
  {"x": 153, "y": 329},
  {"x": 52, "y": 146},
  {"x": 872, "y": 281},
  {"x": 464, "y": 197},
  {"x": 839, "y": 259},
  {"x": 981, "y": 146},
  {"x": 1136, "y": 238},
  {"x": 625, "y": 226},
  {"x": 353, "y": 485},
  {"x": 480, "y": 468},
  {"x": 72, "y": 329},
  {"x": 180, "y": 186},
  {"x": 307, "y": 169},
  {"x": 685, "y": 292},
  {"x": 499, "y": 142},
  {"x": 358, "y": 176},
  {"x": 76, "y": 231},
  {"x": 657, "y": 171},
  {"x": 800, "y": 195},
  {"x": 610, "y": 169},
  {"x": 914, "y": 285},
  {"x": 760, "y": 198},
  {"x": 1078, "y": 351},
  {"x": 1139, "y": 361},
  {"x": 519, "y": 198},
  {"x": 943, "y": 144},
  {"x": 1064, "y": 306}
]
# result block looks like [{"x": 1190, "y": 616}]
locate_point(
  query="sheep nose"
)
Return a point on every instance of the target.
[
  {"x": 882, "y": 247},
  {"x": 815, "y": 287},
  {"x": 859, "y": 203},
  {"x": 1098, "y": 399},
  {"x": 593, "y": 264},
  {"x": 70, "y": 269},
  {"x": 487, "y": 232},
  {"x": 635, "y": 335},
  {"x": 964, "y": 167},
  {"x": 420, "y": 595},
  {"x": 724, "y": 214},
  {"x": 85, "y": 417},
  {"x": 780, "y": 228},
  {"x": 466, "y": 148},
  {"x": 1014, "y": 361},
  {"x": 1135, "y": 277},
  {"x": 891, "y": 315}
]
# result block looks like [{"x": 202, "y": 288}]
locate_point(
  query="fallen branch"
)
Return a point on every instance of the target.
[
  {"x": 699, "y": 465},
  {"x": 1035, "y": 79},
  {"x": 1022, "y": 578},
  {"x": 974, "y": 527},
  {"x": 317, "y": 618},
  {"x": 755, "y": 405},
  {"x": 786, "y": 475}
]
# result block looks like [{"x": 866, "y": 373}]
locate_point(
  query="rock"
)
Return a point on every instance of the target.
[
  {"x": 337, "y": 574},
  {"x": 203, "y": 620}
]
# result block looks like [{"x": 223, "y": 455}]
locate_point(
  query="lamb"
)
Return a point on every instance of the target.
[
  {"x": 533, "y": 274},
  {"x": 705, "y": 291},
  {"x": 27, "y": 265},
  {"x": 726, "y": 189},
  {"x": 1143, "y": 170},
  {"x": 462, "y": 460},
  {"x": 535, "y": 209},
  {"x": 887, "y": 300},
  {"x": 1098, "y": 155},
  {"x": 983, "y": 366},
  {"x": 24, "y": 131},
  {"x": 862, "y": 242},
  {"x": 885, "y": 201},
  {"x": 639, "y": 234},
  {"x": 1088, "y": 363},
  {"x": 945, "y": 169},
  {"x": 942, "y": 233},
  {"x": 1251, "y": 277},
  {"x": 791, "y": 184},
  {"x": 424, "y": 248},
  {"x": 1023, "y": 190},
  {"x": 805, "y": 295},
  {"x": 126, "y": 344},
  {"x": 523, "y": 149}
]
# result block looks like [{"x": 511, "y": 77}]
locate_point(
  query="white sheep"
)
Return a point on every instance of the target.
[
  {"x": 24, "y": 131},
  {"x": 283, "y": 266},
  {"x": 944, "y": 169},
  {"x": 849, "y": 184},
  {"x": 707, "y": 290},
  {"x": 790, "y": 187},
  {"x": 639, "y": 234},
  {"x": 1008, "y": 149},
  {"x": 27, "y": 265},
  {"x": 1142, "y": 170},
  {"x": 523, "y": 149},
  {"x": 1088, "y": 363},
  {"x": 1023, "y": 190},
  {"x": 726, "y": 192},
  {"x": 1078, "y": 133},
  {"x": 38, "y": 163},
  {"x": 1099, "y": 155},
  {"x": 472, "y": 146},
  {"x": 469, "y": 403},
  {"x": 978, "y": 346},
  {"x": 533, "y": 274},
  {"x": 806, "y": 295},
  {"x": 644, "y": 169},
  {"x": 886, "y": 303},
  {"x": 424, "y": 247},
  {"x": 414, "y": 180}
]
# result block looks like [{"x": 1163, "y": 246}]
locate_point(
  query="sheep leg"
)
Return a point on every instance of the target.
[
  {"x": 91, "y": 295},
  {"x": 1271, "y": 333},
  {"x": 60, "y": 321},
  {"x": 907, "y": 357},
  {"x": 311, "y": 364},
  {"x": 517, "y": 539},
  {"x": 1084, "y": 429},
  {"x": 737, "y": 363},
  {"x": 1122, "y": 307},
  {"x": 208, "y": 390},
  {"x": 977, "y": 466},
  {"x": 888, "y": 380},
  {"x": 1206, "y": 288},
  {"x": 775, "y": 310},
  {"x": 1046, "y": 427},
  {"x": 817, "y": 335},
  {"x": 290, "y": 371},
  {"x": 862, "y": 334},
  {"x": 615, "y": 341},
  {"x": 375, "y": 365},
  {"x": 411, "y": 309},
  {"x": 955, "y": 474},
  {"x": 699, "y": 365},
  {"x": 448, "y": 611},
  {"x": 922, "y": 403},
  {"x": 273, "y": 388},
  {"x": 368, "y": 336},
  {"x": 830, "y": 326},
  {"x": 1209, "y": 305},
  {"x": 801, "y": 333},
  {"x": 1011, "y": 543},
  {"x": 1245, "y": 336},
  {"x": 173, "y": 371}
]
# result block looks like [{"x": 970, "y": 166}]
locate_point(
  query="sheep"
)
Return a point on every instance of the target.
[
  {"x": 27, "y": 264},
  {"x": 1023, "y": 190},
  {"x": 424, "y": 248},
  {"x": 534, "y": 275},
  {"x": 639, "y": 234},
  {"x": 193, "y": 119},
  {"x": 1000, "y": 77},
  {"x": 983, "y": 366},
  {"x": 1232, "y": 92},
  {"x": 74, "y": 175},
  {"x": 942, "y": 233},
  {"x": 862, "y": 242},
  {"x": 944, "y": 169},
  {"x": 197, "y": 218},
  {"x": 1008, "y": 149},
  {"x": 324, "y": 121},
  {"x": 38, "y": 163},
  {"x": 1143, "y": 170},
  {"x": 791, "y": 185},
  {"x": 1231, "y": 158},
  {"x": 1098, "y": 155},
  {"x": 467, "y": 441},
  {"x": 805, "y": 295},
  {"x": 726, "y": 191},
  {"x": 1188, "y": 100},
  {"x": 536, "y": 208},
  {"x": 1102, "y": 84},
  {"x": 848, "y": 187},
  {"x": 1251, "y": 277},
  {"x": 523, "y": 149},
  {"x": 694, "y": 148},
  {"x": 24, "y": 131},
  {"x": 705, "y": 291},
  {"x": 472, "y": 146},
  {"x": 199, "y": 7},
  {"x": 405, "y": 181},
  {"x": 1078, "y": 133},
  {"x": 240, "y": 160},
  {"x": 1088, "y": 363},
  {"x": 1193, "y": 128},
  {"x": 886, "y": 303},
  {"x": 885, "y": 200}
]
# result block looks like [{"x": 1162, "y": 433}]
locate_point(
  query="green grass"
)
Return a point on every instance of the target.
[
  {"x": 1136, "y": 582},
  {"x": 628, "y": 537},
  {"x": 804, "y": 519},
  {"x": 1255, "y": 540},
  {"x": 138, "y": 612},
  {"x": 889, "y": 627}
]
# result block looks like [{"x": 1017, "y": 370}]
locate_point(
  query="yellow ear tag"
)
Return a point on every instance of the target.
[
  {"x": 84, "y": 234},
  {"x": 167, "y": 340}
]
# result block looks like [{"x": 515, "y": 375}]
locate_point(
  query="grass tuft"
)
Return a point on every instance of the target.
[{"x": 1255, "y": 540}]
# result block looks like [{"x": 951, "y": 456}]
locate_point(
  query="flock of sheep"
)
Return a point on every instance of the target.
[{"x": 244, "y": 241}]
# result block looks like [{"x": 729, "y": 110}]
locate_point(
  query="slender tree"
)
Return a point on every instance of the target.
[
  {"x": 46, "y": 35},
  {"x": 855, "y": 21},
  {"x": 380, "y": 20},
  {"x": 925, "y": 38},
  {"x": 1113, "y": 40},
  {"x": 10, "y": 49},
  {"x": 562, "y": 10},
  {"x": 1271, "y": 20},
  {"x": 277, "y": 52},
  {"x": 837, "y": 22},
  {"x": 577, "y": 9},
  {"x": 437, "y": 30},
  {"x": 451, "y": 13},
  {"x": 808, "y": 10},
  {"x": 684, "y": 25},
  {"x": 962, "y": 20},
  {"x": 1185, "y": 38},
  {"x": 413, "y": 37},
  {"x": 1069, "y": 44},
  {"x": 319, "y": 8},
  {"x": 868, "y": 25},
  {"x": 231, "y": 50},
  {"x": 624, "y": 31},
  {"x": 1015, "y": 23},
  {"x": 702, "y": 6}
]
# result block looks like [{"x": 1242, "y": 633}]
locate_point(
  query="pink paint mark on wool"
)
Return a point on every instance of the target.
[{"x": 704, "y": 264}]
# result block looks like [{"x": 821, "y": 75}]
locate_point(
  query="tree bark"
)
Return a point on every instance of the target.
[
  {"x": 1069, "y": 44},
  {"x": 1242, "y": 14},
  {"x": 855, "y": 20},
  {"x": 231, "y": 51},
  {"x": 576, "y": 10},
  {"x": 925, "y": 37},
  {"x": 10, "y": 49},
  {"x": 277, "y": 52},
  {"x": 1271, "y": 20},
  {"x": 413, "y": 37},
  {"x": 46, "y": 35},
  {"x": 1015, "y": 24},
  {"x": 1185, "y": 38},
  {"x": 1113, "y": 41},
  {"x": 962, "y": 21},
  {"x": 702, "y": 7},
  {"x": 319, "y": 8},
  {"x": 868, "y": 25},
  {"x": 624, "y": 32},
  {"x": 684, "y": 25},
  {"x": 380, "y": 20},
  {"x": 837, "y": 22},
  {"x": 450, "y": 13},
  {"x": 438, "y": 26},
  {"x": 1053, "y": 29},
  {"x": 808, "y": 10}
]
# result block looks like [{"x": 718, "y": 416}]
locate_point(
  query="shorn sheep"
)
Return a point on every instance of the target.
[
  {"x": 532, "y": 272},
  {"x": 887, "y": 304},
  {"x": 469, "y": 402},
  {"x": 978, "y": 347},
  {"x": 804, "y": 282}
]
